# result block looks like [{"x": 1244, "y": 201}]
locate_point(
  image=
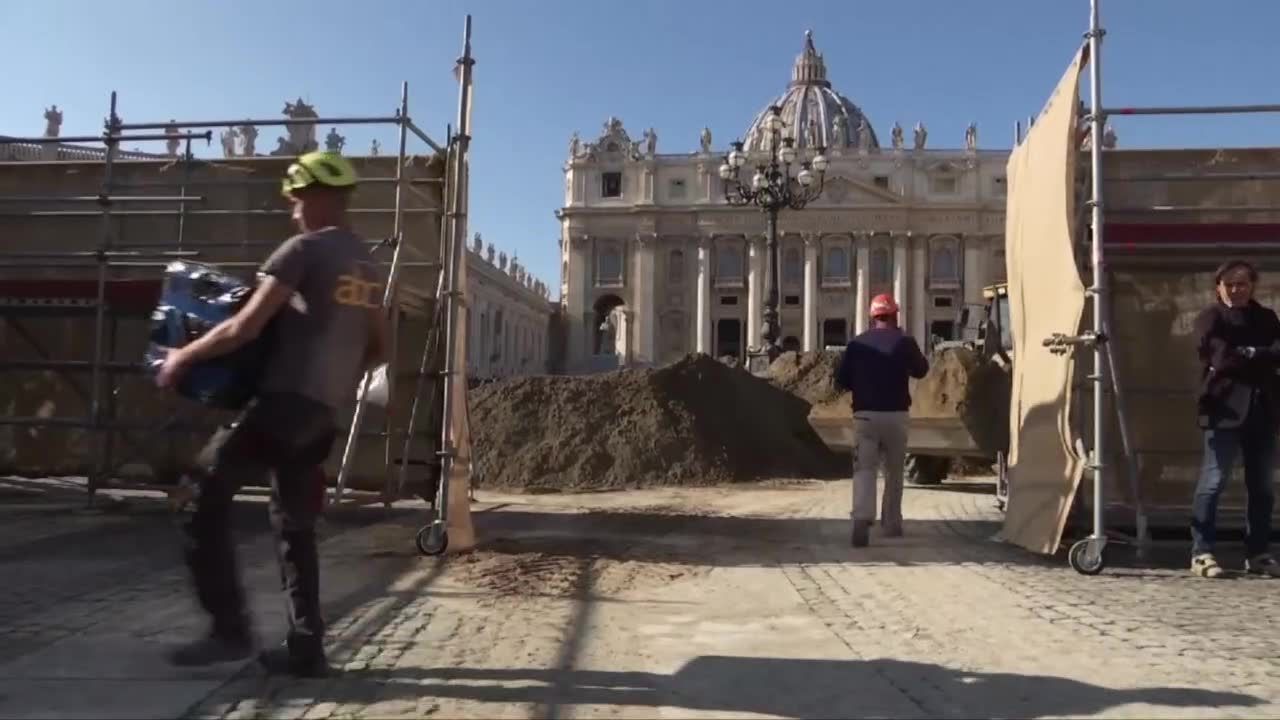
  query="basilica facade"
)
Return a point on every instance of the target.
[{"x": 656, "y": 263}]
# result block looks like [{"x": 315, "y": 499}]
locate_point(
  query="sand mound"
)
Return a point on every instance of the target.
[
  {"x": 808, "y": 376},
  {"x": 696, "y": 421},
  {"x": 960, "y": 384}
]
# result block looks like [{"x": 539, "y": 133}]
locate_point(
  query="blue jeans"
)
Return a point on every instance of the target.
[{"x": 1255, "y": 440}]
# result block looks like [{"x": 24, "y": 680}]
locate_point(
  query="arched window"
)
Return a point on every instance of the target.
[
  {"x": 881, "y": 266},
  {"x": 836, "y": 264},
  {"x": 675, "y": 267},
  {"x": 728, "y": 264},
  {"x": 791, "y": 270}
]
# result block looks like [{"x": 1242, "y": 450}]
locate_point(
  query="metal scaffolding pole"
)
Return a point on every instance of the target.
[
  {"x": 1197, "y": 177},
  {"x": 433, "y": 539},
  {"x": 100, "y": 309},
  {"x": 1098, "y": 289},
  {"x": 112, "y": 136},
  {"x": 388, "y": 301},
  {"x": 1192, "y": 110},
  {"x": 193, "y": 213}
]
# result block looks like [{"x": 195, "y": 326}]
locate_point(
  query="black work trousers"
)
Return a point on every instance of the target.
[{"x": 286, "y": 437}]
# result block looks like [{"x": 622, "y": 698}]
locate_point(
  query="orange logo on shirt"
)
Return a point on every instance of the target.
[{"x": 357, "y": 292}]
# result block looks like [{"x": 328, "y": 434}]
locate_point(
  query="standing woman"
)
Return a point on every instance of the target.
[{"x": 1239, "y": 413}]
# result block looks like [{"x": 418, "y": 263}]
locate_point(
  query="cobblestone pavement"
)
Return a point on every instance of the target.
[{"x": 674, "y": 603}]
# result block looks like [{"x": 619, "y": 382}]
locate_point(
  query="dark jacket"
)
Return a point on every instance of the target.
[
  {"x": 1221, "y": 333},
  {"x": 876, "y": 368}
]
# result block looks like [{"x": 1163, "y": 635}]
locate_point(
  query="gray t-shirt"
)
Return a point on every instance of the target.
[{"x": 319, "y": 343}]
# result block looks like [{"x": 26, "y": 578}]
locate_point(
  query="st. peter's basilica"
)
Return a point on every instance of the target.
[{"x": 655, "y": 263}]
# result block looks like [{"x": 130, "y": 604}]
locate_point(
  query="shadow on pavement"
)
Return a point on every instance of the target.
[
  {"x": 726, "y": 541},
  {"x": 780, "y": 687}
]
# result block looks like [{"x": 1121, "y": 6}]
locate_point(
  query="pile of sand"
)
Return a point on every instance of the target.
[
  {"x": 960, "y": 384},
  {"x": 696, "y": 421},
  {"x": 810, "y": 377}
]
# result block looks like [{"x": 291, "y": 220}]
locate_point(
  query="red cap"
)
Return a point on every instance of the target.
[{"x": 883, "y": 305}]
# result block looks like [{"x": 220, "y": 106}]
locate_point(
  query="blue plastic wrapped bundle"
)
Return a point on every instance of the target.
[{"x": 194, "y": 300}]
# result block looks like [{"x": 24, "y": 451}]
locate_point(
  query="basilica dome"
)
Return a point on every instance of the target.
[{"x": 815, "y": 114}]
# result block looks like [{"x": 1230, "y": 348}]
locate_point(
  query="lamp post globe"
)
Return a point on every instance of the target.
[{"x": 778, "y": 183}]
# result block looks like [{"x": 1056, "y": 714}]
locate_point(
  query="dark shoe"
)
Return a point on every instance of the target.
[
  {"x": 210, "y": 650},
  {"x": 861, "y": 533},
  {"x": 279, "y": 661},
  {"x": 1264, "y": 565}
]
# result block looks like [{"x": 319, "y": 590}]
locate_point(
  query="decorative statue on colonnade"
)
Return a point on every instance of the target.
[
  {"x": 248, "y": 140},
  {"x": 228, "y": 138},
  {"x": 971, "y": 136},
  {"x": 52, "y": 121},
  {"x": 650, "y": 142},
  {"x": 174, "y": 142},
  {"x": 897, "y": 136},
  {"x": 705, "y": 140},
  {"x": 333, "y": 142},
  {"x": 302, "y": 136},
  {"x": 921, "y": 136}
]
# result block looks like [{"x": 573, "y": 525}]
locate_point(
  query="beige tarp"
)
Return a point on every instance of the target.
[{"x": 1045, "y": 297}]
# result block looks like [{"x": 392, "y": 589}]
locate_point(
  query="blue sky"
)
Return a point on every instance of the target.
[{"x": 547, "y": 68}]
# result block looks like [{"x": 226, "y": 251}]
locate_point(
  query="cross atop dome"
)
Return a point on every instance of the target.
[{"x": 810, "y": 69}]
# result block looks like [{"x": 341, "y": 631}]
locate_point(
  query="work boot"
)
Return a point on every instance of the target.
[
  {"x": 861, "y": 533},
  {"x": 211, "y": 649},
  {"x": 1264, "y": 564},
  {"x": 1206, "y": 565},
  {"x": 300, "y": 659}
]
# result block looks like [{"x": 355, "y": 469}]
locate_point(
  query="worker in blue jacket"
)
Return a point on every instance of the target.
[{"x": 876, "y": 368}]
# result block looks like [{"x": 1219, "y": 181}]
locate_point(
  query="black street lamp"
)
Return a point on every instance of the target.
[{"x": 772, "y": 189}]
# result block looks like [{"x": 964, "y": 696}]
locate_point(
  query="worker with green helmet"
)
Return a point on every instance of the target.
[{"x": 318, "y": 306}]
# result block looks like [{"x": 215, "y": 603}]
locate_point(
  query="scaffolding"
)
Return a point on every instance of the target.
[
  {"x": 117, "y": 280},
  {"x": 1088, "y": 555}
]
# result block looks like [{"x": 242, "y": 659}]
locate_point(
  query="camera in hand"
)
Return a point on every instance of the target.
[{"x": 194, "y": 300}]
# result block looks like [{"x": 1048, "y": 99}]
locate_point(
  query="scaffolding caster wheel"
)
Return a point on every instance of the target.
[
  {"x": 1087, "y": 556},
  {"x": 433, "y": 539}
]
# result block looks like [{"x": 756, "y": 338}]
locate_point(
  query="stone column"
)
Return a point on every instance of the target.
[
  {"x": 900, "y": 277},
  {"x": 919, "y": 296},
  {"x": 755, "y": 290},
  {"x": 862, "y": 282},
  {"x": 975, "y": 267},
  {"x": 646, "y": 311},
  {"x": 703, "y": 318},
  {"x": 623, "y": 345},
  {"x": 580, "y": 332},
  {"x": 811, "y": 299}
]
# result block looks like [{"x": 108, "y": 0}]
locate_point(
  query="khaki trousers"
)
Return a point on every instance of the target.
[{"x": 879, "y": 438}]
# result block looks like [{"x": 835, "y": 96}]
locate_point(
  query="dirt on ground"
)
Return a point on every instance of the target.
[
  {"x": 810, "y": 377},
  {"x": 694, "y": 422}
]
